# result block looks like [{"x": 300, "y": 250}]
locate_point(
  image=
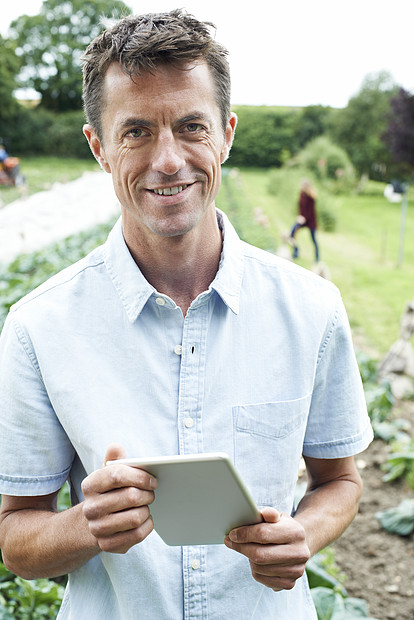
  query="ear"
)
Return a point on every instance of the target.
[
  {"x": 96, "y": 147},
  {"x": 229, "y": 136}
]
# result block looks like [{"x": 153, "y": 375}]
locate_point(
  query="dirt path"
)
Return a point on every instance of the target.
[
  {"x": 31, "y": 223},
  {"x": 379, "y": 566}
]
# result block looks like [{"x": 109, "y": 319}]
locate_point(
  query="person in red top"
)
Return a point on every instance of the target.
[{"x": 306, "y": 217}]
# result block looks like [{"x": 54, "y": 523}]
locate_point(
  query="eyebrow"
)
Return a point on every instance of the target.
[
  {"x": 195, "y": 116},
  {"x": 133, "y": 121}
]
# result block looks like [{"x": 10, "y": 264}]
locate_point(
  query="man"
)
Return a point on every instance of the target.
[{"x": 174, "y": 337}]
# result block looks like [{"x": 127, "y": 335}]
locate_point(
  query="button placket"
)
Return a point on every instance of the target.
[
  {"x": 192, "y": 380},
  {"x": 191, "y": 395}
]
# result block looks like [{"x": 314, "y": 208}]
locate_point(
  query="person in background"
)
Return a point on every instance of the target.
[
  {"x": 174, "y": 337},
  {"x": 3, "y": 153},
  {"x": 306, "y": 217}
]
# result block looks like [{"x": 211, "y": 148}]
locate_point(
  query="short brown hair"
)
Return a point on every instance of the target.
[{"x": 141, "y": 43}]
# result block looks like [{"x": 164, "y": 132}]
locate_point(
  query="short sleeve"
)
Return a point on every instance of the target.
[
  {"x": 338, "y": 424},
  {"x": 35, "y": 453}
]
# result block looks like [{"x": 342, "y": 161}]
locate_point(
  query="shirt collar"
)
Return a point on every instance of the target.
[
  {"x": 227, "y": 282},
  {"x": 134, "y": 290}
]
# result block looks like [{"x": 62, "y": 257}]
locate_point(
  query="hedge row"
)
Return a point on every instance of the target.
[{"x": 266, "y": 136}]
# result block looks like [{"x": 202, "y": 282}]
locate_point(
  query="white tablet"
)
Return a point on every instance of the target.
[{"x": 199, "y": 498}]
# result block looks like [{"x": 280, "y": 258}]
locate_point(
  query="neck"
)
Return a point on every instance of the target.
[{"x": 181, "y": 267}]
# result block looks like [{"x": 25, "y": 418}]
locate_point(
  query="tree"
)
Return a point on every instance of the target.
[
  {"x": 400, "y": 132},
  {"x": 51, "y": 43},
  {"x": 313, "y": 122},
  {"x": 359, "y": 127},
  {"x": 9, "y": 67},
  {"x": 266, "y": 136}
]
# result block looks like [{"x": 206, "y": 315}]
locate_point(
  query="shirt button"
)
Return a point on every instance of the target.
[
  {"x": 160, "y": 301},
  {"x": 178, "y": 349},
  {"x": 195, "y": 564},
  {"x": 188, "y": 422}
]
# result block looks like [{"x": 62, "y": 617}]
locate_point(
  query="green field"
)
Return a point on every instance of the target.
[{"x": 362, "y": 254}]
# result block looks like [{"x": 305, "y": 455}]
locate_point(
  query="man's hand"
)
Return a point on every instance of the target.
[
  {"x": 116, "y": 504},
  {"x": 276, "y": 548}
]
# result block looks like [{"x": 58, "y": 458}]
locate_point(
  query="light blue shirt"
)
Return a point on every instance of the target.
[{"x": 262, "y": 367}]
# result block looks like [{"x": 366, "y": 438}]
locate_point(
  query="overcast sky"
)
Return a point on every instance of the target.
[{"x": 295, "y": 52}]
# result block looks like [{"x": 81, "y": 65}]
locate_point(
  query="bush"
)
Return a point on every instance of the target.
[
  {"x": 36, "y": 131},
  {"x": 65, "y": 137},
  {"x": 265, "y": 136},
  {"x": 38, "y": 599},
  {"x": 328, "y": 163}
]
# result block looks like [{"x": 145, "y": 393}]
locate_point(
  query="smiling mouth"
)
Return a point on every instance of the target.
[{"x": 170, "y": 191}]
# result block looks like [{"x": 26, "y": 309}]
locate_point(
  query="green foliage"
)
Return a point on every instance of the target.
[
  {"x": 269, "y": 136},
  {"x": 313, "y": 121},
  {"x": 322, "y": 571},
  {"x": 64, "y": 498},
  {"x": 400, "y": 463},
  {"x": 265, "y": 136},
  {"x": 38, "y": 599},
  {"x": 30, "y": 270},
  {"x": 330, "y": 605},
  {"x": 328, "y": 592},
  {"x": 359, "y": 127},
  {"x": 51, "y": 43},
  {"x": 9, "y": 67},
  {"x": 368, "y": 368},
  {"x": 328, "y": 162},
  {"x": 380, "y": 402},
  {"x": 399, "y": 520},
  {"x": 37, "y": 131},
  {"x": 64, "y": 137}
]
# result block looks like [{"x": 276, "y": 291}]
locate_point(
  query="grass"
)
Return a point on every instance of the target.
[
  {"x": 362, "y": 254},
  {"x": 42, "y": 172}
]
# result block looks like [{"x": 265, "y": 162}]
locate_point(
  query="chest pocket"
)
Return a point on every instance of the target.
[{"x": 268, "y": 441}]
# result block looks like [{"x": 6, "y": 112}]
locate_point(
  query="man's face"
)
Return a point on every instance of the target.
[{"x": 163, "y": 143}]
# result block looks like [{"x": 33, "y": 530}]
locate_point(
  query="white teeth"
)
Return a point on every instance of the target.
[{"x": 170, "y": 191}]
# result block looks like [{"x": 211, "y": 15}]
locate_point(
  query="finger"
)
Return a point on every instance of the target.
[
  {"x": 117, "y": 477},
  {"x": 100, "y": 504},
  {"x": 124, "y": 521},
  {"x": 121, "y": 542},
  {"x": 284, "y": 531},
  {"x": 271, "y": 515},
  {"x": 276, "y": 583},
  {"x": 263, "y": 534},
  {"x": 259, "y": 533},
  {"x": 114, "y": 452},
  {"x": 292, "y": 570},
  {"x": 289, "y": 553}
]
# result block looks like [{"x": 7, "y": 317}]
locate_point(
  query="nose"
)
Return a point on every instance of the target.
[{"x": 167, "y": 156}]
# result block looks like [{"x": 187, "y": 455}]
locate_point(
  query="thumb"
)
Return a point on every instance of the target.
[
  {"x": 271, "y": 515},
  {"x": 114, "y": 452}
]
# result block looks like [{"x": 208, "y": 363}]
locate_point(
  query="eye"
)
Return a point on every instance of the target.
[
  {"x": 194, "y": 127},
  {"x": 137, "y": 132}
]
